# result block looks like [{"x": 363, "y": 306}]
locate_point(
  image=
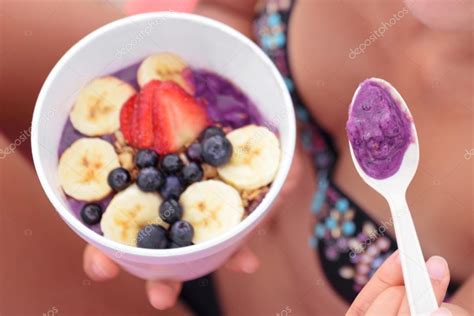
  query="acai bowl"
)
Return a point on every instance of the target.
[{"x": 145, "y": 123}]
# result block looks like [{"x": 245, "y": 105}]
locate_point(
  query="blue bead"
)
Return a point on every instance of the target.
[
  {"x": 289, "y": 83},
  {"x": 377, "y": 262},
  {"x": 313, "y": 242},
  {"x": 342, "y": 204},
  {"x": 266, "y": 42},
  {"x": 318, "y": 200},
  {"x": 301, "y": 112},
  {"x": 323, "y": 159},
  {"x": 348, "y": 228},
  {"x": 319, "y": 230},
  {"x": 323, "y": 183},
  {"x": 331, "y": 223},
  {"x": 274, "y": 19},
  {"x": 280, "y": 39},
  {"x": 306, "y": 139}
]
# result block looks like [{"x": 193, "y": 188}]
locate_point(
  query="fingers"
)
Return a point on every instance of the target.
[
  {"x": 292, "y": 181},
  {"x": 243, "y": 260},
  {"x": 97, "y": 266},
  {"x": 385, "y": 293},
  {"x": 450, "y": 310},
  {"x": 438, "y": 270},
  {"x": 388, "y": 302},
  {"x": 439, "y": 274},
  {"x": 163, "y": 294},
  {"x": 388, "y": 275}
]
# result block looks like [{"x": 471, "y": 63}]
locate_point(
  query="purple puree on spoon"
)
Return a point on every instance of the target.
[{"x": 378, "y": 129}]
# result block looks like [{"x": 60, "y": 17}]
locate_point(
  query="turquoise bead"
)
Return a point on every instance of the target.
[
  {"x": 306, "y": 139},
  {"x": 289, "y": 83},
  {"x": 331, "y": 223},
  {"x": 342, "y": 204},
  {"x": 318, "y": 200},
  {"x": 323, "y": 183},
  {"x": 313, "y": 242},
  {"x": 274, "y": 20},
  {"x": 300, "y": 111},
  {"x": 319, "y": 230},
  {"x": 280, "y": 39},
  {"x": 348, "y": 228},
  {"x": 266, "y": 42}
]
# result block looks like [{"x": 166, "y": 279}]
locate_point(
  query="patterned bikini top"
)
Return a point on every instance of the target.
[{"x": 350, "y": 244}]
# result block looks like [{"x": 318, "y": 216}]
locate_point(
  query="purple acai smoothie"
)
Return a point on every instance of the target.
[
  {"x": 224, "y": 102},
  {"x": 378, "y": 129}
]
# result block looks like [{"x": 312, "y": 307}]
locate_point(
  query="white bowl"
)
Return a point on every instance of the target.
[{"x": 203, "y": 43}]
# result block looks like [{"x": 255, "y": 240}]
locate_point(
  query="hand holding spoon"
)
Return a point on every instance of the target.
[{"x": 384, "y": 148}]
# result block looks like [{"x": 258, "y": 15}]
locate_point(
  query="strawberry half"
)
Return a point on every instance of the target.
[
  {"x": 143, "y": 117},
  {"x": 178, "y": 118},
  {"x": 126, "y": 114}
]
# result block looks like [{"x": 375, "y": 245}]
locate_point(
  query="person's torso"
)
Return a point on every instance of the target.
[{"x": 320, "y": 37}]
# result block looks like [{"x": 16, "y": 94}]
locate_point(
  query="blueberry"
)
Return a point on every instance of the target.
[
  {"x": 181, "y": 233},
  {"x": 194, "y": 152},
  {"x": 146, "y": 158},
  {"x": 191, "y": 173},
  {"x": 211, "y": 131},
  {"x": 91, "y": 213},
  {"x": 171, "y": 164},
  {"x": 171, "y": 211},
  {"x": 172, "y": 244},
  {"x": 171, "y": 188},
  {"x": 216, "y": 150},
  {"x": 150, "y": 179},
  {"x": 119, "y": 179},
  {"x": 152, "y": 237}
]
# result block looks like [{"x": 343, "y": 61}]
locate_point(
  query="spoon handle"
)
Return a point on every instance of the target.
[{"x": 420, "y": 294}]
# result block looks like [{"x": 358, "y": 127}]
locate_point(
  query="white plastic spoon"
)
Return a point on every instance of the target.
[{"x": 419, "y": 291}]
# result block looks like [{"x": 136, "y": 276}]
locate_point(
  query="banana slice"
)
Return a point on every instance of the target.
[
  {"x": 128, "y": 212},
  {"x": 163, "y": 66},
  {"x": 212, "y": 207},
  {"x": 97, "y": 109},
  {"x": 84, "y": 167},
  {"x": 255, "y": 159}
]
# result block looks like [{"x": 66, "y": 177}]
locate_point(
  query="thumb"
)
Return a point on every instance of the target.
[
  {"x": 450, "y": 310},
  {"x": 438, "y": 270}
]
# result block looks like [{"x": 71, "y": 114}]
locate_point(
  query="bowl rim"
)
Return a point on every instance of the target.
[{"x": 247, "y": 223}]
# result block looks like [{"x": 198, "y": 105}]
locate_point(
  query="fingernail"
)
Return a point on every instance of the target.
[
  {"x": 442, "y": 312},
  {"x": 436, "y": 268},
  {"x": 396, "y": 257},
  {"x": 160, "y": 297},
  {"x": 98, "y": 270},
  {"x": 250, "y": 266}
]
